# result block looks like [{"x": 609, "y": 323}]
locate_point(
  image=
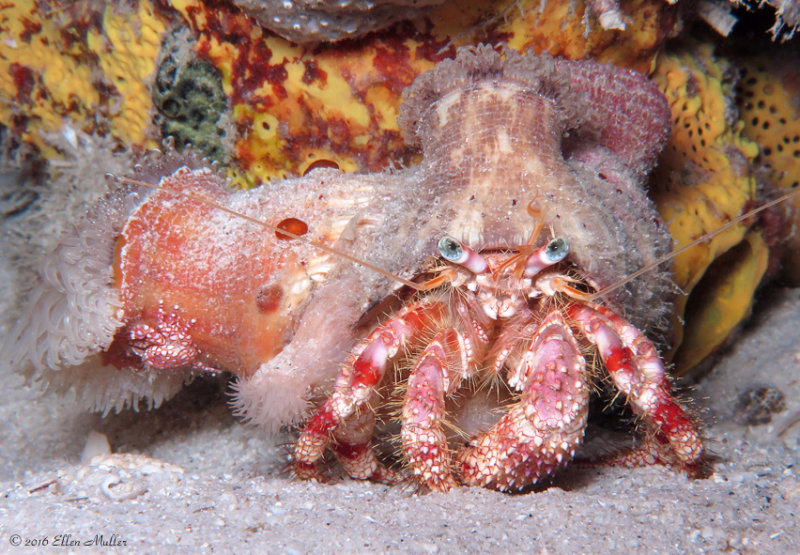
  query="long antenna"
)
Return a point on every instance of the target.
[
  {"x": 283, "y": 232},
  {"x": 702, "y": 239}
]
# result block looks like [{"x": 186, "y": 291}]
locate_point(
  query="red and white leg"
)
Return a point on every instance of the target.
[
  {"x": 439, "y": 370},
  {"x": 638, "y": 372},
  {"x": 341, "y": 415},
  {"x": 352, "y": 444},
  {"x": 542, "y": 430}
]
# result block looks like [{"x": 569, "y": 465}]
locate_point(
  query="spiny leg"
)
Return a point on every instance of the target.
[
  {"x": 356, "y": 383},
  {"x": 638, "y": 372},
  {"x": 437, "y": 372},
  {"x": 541, "y": 431},
  {"x": 352, "y": 443}
]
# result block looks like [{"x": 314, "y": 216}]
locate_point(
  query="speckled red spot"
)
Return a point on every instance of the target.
[
  {"x": 314, "y": 73},
  {"x": 351, "y": 450},
  {"x": 322, "y": 423},
  {"x": 118, "y": 354},
  {"x": 268, "y": 298},
  {"x": 31, "y": 28},
  {"x": 23, "y": 81},
  {"x": 620, "y": 360}
]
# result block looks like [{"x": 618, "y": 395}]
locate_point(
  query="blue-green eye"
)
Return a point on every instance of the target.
[
  {"x": 453, "y": 251},
  {"x": 450, "y": 249},
  {"x": 556, "y": 250}
]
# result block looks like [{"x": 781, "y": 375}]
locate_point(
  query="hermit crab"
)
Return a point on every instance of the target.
[
  {"x": 495, "y": 260},
  {"x": 511, "y": 146}
]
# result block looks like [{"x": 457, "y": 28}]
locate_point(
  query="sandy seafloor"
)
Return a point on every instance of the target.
[{"x": 190, "y": 478}]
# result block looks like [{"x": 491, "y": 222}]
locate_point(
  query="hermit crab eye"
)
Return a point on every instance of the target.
[
  {"x": 450, "y": 249},
  {"x": 455, "y": 252},
  {"x": 552, "y": 253},
  {"x": 556, "y": 250}
]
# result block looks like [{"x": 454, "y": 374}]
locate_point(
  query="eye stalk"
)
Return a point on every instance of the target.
[
  {"x": 457, "y": 253},
  {"x": 552, "y": 253}
]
